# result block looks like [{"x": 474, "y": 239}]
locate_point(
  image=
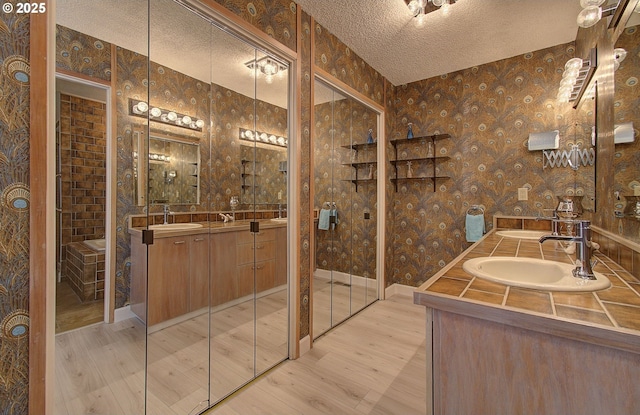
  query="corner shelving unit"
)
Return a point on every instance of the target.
[
  {"x": 359, "y": 164},
  {"x": 434, "y": 158}
]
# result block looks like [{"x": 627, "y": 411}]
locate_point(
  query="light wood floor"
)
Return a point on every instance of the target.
[
  {"x": 71, "y": 313},
  {"x": 373, "y": 363}
]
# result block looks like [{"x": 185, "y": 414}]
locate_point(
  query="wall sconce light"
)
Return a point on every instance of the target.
[
  {"x": 267, "y": 66},
  {"x": 141, "y": 109},
  {"x": 576, "y": 77},
  {"x": 262, "y": 137},
  {"x": 420, "y": 8}
]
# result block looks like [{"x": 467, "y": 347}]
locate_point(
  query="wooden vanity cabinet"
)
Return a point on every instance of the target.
[
  {"x": 223, "y": 268},
  {"x": 178, "y": 277},
  {"x": 198, "y": 272},
  {"x": 240, "y": 258},
  {"x": 168, "y": 295}
]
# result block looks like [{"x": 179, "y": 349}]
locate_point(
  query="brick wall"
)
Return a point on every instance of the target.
[{"x": 83, "y": 169}]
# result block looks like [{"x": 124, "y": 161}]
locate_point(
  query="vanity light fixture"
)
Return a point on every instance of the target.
[
  {"x": 592, "y": 12},
  {"x": 576, "y": 77},
  {"x": 267, "y": 66},
  {"x": 420, "y": 8},
  {"x": 141, "y": 109},
  {"x": 262, "y": 137}
]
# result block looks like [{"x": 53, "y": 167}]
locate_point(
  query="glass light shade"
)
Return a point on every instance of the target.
[
  {"x": 172, "y": 116},
  {"x": 574, "y": 63},
  {"x": 156, "y": 112},
  {"x": 590, "y": 3},
  {"x": 567, "y": 82},
  {"x": 186, "y": 120},
  {"x": 437, "y": 3},
  {"x": 199, "y": 123},
  {"x": 570, "y": 74},
  {"x": 589, "y": 16},
  {"x": 566, "y": 89},
  {"x": 414, "y": 7},
  {"x": 142, "y": 107}
]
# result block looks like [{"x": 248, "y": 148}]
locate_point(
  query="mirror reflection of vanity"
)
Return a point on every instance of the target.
[{"x": 171, "y": 172}]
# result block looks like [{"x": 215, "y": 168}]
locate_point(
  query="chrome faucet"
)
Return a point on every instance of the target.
[
  {"x": 584, "y": 265},
  {"x": 279, "y": 210},
  {"x": 166, "y": 212}
]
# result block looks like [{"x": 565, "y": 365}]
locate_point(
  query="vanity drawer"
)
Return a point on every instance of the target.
[
  {"x": 265, "y": 277},
  {"x": 264, "y": 250},
  {"x": 245, "y": 237}
]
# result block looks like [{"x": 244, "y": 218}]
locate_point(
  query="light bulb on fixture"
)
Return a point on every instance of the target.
[
  {"x": 199, "y": 123},
  {"x": 186, "y": 120},
  {"x": 172, "y": 116},
  {"x": 155, "y": 112},
  {"x": 142, "y": 107},
  {"x": 416, "y": 6}
]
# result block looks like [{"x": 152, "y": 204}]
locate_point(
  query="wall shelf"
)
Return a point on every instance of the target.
[
  {"x": 360, "y": 164},
  {"x": 434, "y": 159}
]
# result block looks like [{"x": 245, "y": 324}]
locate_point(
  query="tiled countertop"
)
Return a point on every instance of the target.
[
  {"x": 210, "y": 227},
  {"x": 609, "y": 317}
]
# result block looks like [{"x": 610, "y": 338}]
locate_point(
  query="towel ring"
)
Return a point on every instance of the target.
[{"x": 475, "y": 210}]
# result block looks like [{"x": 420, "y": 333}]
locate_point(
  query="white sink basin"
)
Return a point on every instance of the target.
[
  {"x": 175, "y": 226},
  {"x": 522, "y": 234},
  {"x": 279, "y": 220},
  {"x": 533, "y": 273}
]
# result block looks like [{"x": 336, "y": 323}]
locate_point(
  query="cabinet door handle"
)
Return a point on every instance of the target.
[
  {"x": 259, "y": 267},
  {"x": 178, "y": 242},
  {"x": 259, "y": 246},
  {"x": 198, "y": 240}
]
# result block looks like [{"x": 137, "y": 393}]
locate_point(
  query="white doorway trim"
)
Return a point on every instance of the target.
[{"x": 109, "y": 283}]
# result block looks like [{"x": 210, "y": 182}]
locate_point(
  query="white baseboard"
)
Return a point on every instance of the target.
[
  {"x": 304, "y": 344},
  {"x": 122, "y": 313},
  {"x": 399, "y": 289}
]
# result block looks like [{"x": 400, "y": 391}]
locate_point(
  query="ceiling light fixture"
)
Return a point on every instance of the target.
[
  {"x": 592, "y": 12},
  {"x": 420, "y": 8},
  {"x": 268, "y": 66},
  {"x": 576, "y": 77},
  {"x": 139, "y": 109}
]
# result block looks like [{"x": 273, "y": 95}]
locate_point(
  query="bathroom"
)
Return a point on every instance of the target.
[{"x": 424, "y": 229}]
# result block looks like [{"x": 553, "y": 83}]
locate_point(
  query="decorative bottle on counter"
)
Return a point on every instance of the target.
[{"x": 410, "y": 132}]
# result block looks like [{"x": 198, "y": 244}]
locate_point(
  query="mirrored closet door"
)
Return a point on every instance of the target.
[{"x": 345, "y": 197}]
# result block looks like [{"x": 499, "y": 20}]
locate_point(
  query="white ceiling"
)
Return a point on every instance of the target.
[
  {"x": 179, "y": 40},
  {"x": 382, "y": 32},
  {"x": 474, "y": 32}
]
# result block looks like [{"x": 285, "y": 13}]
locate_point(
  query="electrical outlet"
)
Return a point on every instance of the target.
[{"x": 523, "y": 193}]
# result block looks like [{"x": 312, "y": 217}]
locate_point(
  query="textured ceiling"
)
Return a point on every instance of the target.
[
  {"x": 382, "y": 32},
  {"x": 473, "y": 32},
  {"x": 179, "y": 40}
]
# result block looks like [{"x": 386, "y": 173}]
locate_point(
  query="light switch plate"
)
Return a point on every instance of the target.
[{"x": 523, "y": 193}]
